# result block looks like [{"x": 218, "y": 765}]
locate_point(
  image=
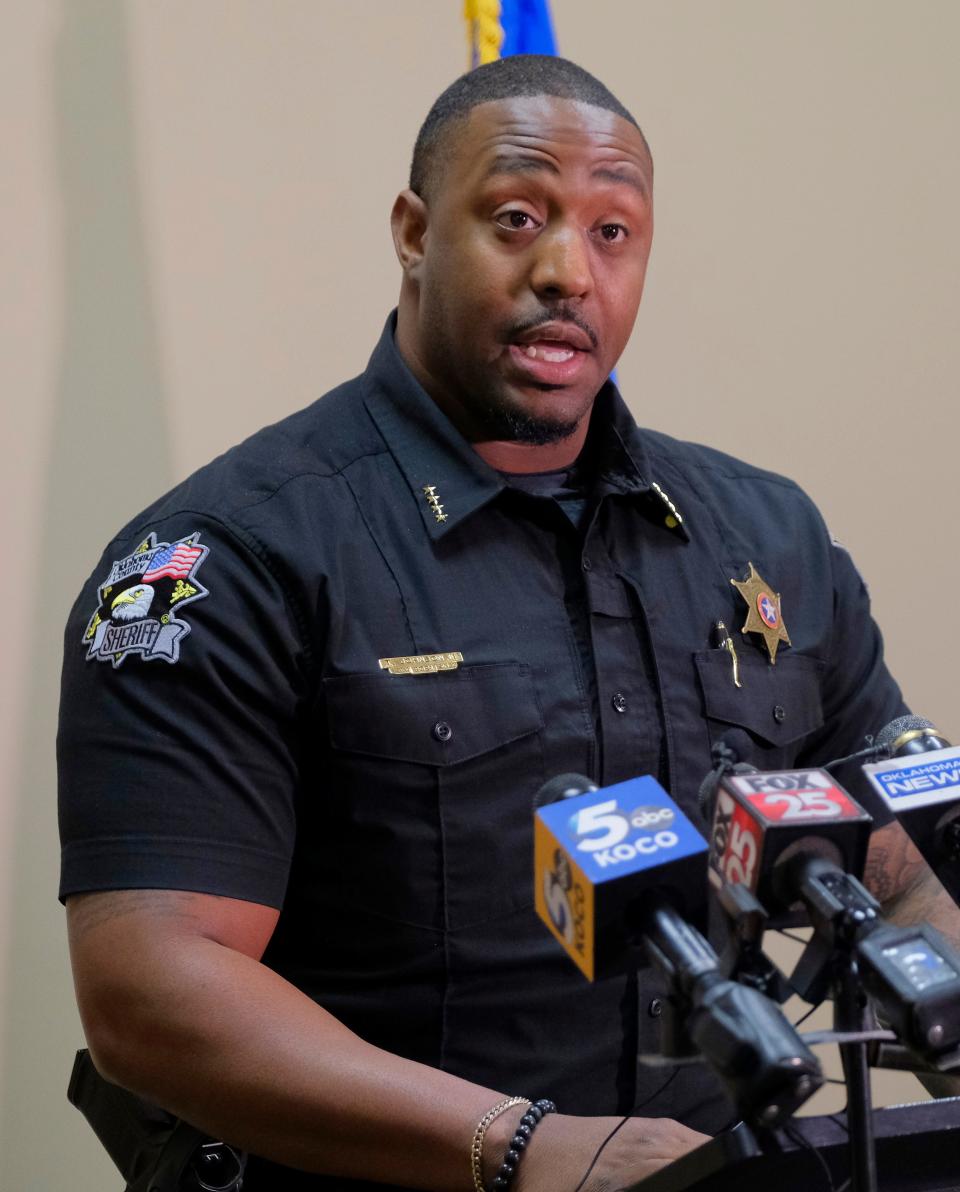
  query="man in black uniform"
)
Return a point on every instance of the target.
[{"x": 309, "y": 695}]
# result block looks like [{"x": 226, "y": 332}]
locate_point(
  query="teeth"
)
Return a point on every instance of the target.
[{"x": 553, "y": 356}]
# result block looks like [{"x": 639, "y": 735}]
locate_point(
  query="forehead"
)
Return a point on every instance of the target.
[{"x": 526, "y": 132}]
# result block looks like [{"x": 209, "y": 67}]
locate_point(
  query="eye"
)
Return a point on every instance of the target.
[
  {"x": 613, "y": 233},
  {"x": 516, "y": 220}
]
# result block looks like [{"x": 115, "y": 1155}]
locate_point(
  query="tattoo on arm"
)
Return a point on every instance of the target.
[
  {"x": 875, "y": 876},
  {"x": 893, "y": 866}
]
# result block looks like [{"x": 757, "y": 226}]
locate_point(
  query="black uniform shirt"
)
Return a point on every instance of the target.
[{"x": 227, "y": 726}]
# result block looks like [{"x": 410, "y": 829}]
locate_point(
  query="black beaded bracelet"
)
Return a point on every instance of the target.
[{"x": 511, "y": 1160}]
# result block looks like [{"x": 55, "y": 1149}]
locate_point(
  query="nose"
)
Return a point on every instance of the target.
[{"x": 561, "y": 267}]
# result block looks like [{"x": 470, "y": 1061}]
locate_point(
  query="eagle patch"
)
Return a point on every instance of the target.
[{"x": 140, "y": 599}]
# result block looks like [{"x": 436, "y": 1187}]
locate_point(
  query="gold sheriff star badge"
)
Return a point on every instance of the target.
[{"x": 764, "y": 616}]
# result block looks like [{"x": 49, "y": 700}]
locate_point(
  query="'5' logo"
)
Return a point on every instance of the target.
[{"x": 604, "y": 818}]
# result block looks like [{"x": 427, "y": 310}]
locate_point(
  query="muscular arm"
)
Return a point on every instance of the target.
[
  {"x": 898, "y": 876},
  {"x": 177, "y": 1008}
]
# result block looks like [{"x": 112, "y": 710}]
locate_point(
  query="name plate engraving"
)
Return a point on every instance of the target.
[{"x": 422, "y": 664}]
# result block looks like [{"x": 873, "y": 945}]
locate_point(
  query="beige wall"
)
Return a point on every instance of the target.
[{"x": 193, "y": 202}]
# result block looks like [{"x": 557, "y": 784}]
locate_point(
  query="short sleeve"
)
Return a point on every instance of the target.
[
  {"x": 184, "y": 677},
  {"x": 860, "y": 695}
]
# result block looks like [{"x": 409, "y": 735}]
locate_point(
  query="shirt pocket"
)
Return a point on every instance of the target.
[
  {"x": 778, "y": 705},
  {"x": 433, "y": 784}
]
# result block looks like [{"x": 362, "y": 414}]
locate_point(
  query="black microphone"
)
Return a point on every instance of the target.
[
  {"x": 563, "y": 786},
  {"x": 920, "y": 783},
  {"x": 728, "y": 755},
  {"x": 913, "y": 973},
  {"x": 624, "y": 866}
]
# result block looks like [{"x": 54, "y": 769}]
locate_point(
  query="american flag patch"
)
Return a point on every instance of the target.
[
  {"x": 140, "y": 599},
  {"x": 173, "y": 562}
]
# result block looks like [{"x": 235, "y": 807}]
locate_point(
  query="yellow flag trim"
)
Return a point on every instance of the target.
[{"x": 484, "y": 31}]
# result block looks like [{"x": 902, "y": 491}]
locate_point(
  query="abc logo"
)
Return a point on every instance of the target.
[{"x": 651, "y": 819}]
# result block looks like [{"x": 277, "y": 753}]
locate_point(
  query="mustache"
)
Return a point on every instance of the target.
[{"x": 556, "y": 314}]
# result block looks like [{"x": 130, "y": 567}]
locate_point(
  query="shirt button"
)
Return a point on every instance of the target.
[
  {"x": 779, "y": 713},
  {"x": 619, "y": 703},
  {"x": 442, "y": 731},
  {"x": 587, "y": 563},
  {"x": 655, "y": 1009}
]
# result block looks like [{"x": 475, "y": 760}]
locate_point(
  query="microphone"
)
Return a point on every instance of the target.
[
  {"x": 920, "y": 783},
  {"x": 913, "y": 973},
  {"x": 623, "y": 865},
  {"x": 763, "y": 819},
  {"x": 911, "y": 734},
  {"x": 563, "y": 786},
  {"x": 599, "y": 853},
  {"x": 743, "y": 1035},
  {"x": 798, "y": 841},
  {"x": 727, "y": 755}
]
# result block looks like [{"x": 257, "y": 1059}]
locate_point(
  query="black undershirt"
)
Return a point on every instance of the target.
[{"x": 569, "y": 487}]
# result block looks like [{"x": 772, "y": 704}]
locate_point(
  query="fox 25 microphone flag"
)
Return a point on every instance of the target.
[{"x": 499, "y": 28}]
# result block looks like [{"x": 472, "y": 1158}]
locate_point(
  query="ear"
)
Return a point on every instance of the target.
[{"x": 408, "y": 223}]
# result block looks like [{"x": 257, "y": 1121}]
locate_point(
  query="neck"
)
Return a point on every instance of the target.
[{"x": 509, "y": 456}]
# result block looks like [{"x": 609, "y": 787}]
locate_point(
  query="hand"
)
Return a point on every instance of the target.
[{"x": 562, "y": 1148}]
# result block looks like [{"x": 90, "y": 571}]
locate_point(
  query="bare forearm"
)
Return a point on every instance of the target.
[
  {"x": 234, "y": 1049},
  {"x": 926, "y": 901},
  {"x": 178, "y": 1008},
  {"x": 218, "y": 1039}
]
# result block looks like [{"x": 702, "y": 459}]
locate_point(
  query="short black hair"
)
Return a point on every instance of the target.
[{"x": 505, "y": 78}]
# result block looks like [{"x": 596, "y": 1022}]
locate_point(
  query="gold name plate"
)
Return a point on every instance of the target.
[{"x": 422, "y": 664}]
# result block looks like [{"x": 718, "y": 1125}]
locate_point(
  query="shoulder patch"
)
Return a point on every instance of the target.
[{"x": 140, "y": 598}]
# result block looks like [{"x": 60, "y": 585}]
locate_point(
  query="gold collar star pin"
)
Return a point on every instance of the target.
[
  {"x": 764, "y": 616},
  {"x": 430, "y": 492},
  {"x": 672, "y": 517}
]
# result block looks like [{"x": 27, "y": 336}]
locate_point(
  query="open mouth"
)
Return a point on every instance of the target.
[
  {"x": 548, "y": 362},
  {"x": 554, "y": 353}
]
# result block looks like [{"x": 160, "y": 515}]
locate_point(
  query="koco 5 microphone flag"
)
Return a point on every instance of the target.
[{"x": 597, "y": 855}]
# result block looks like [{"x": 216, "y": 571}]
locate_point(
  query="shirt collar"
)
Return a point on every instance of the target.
[
  {"x": 429, "y": 450},
  {"x": 624, "y": 465},
  {"x": 448, "y": 479}
]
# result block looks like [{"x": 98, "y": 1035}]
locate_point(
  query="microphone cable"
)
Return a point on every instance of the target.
[
  {"x": 798, "y": 1140},
  {"x": 623, "y": 1121}
]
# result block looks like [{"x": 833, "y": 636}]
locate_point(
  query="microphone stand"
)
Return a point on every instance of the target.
[
  {"x": 839, "y": 907},
  {"x": 829, "y": 963},
  {"x": 850, "y": 1015}
]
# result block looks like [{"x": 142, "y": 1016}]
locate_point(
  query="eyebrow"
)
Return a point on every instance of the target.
[
  {"x": 511, "y": 163},
  {"x": 626, "y": 177}
]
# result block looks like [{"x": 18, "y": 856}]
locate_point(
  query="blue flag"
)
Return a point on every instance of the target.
[
  {"x": 527, "y": 28},
  {"x": 499, "y": 28}
]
